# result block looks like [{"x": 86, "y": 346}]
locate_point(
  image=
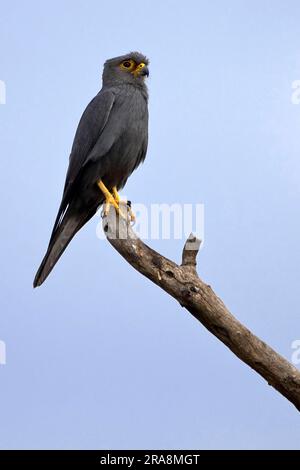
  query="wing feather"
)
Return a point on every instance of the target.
[{"x": 90, "y": 128}]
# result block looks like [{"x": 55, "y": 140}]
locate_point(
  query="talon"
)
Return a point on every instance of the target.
[{"x": 106, "y": 207}]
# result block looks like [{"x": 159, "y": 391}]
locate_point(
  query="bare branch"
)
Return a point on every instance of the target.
[{"x": 183, "y": 283}]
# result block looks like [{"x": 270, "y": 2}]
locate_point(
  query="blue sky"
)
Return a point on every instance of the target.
[{"x": 98, "y": 357}]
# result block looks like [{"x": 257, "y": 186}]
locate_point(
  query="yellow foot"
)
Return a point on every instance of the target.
[
  {"x": 109, "y": 200},
  {"x": 114, "y": 200}
]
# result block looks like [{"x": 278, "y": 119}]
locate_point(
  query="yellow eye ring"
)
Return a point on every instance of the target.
[{"x": 127, "y": 64}]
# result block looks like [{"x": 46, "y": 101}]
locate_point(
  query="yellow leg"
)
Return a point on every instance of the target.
[
  {"x": 118, "y": 199},
  {"x": 109, "y": 199},
  {"x": 116, "y": 194}
]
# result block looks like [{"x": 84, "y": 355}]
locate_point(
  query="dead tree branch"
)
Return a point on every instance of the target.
[{"x": 183, "y": 283}]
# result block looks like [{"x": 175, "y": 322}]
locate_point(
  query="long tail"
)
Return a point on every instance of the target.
[{"x": 59, "y": 241}]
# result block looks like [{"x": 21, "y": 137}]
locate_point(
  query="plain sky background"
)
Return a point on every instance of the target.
[{"x": 99, "y": 357}]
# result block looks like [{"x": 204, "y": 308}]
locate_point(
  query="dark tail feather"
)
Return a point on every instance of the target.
[{"x": 59, "y": 241}]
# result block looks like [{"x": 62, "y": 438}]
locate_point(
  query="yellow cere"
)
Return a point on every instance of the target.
[{"x": 137, "y": 70}]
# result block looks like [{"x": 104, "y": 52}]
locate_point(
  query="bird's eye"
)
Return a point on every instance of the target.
[{"x": 127, "y": 64}]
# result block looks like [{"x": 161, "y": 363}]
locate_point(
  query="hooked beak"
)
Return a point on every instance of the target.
[{"x": 145, "y": 71}]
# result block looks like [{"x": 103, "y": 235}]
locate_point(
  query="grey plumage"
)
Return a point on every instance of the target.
[{"x": 110, "y": 142}]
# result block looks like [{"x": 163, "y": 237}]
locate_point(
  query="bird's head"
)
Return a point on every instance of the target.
[{"x": 128, "y": 68}]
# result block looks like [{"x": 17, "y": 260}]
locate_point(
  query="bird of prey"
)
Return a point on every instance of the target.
[{"x": 110, "y": 142}]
